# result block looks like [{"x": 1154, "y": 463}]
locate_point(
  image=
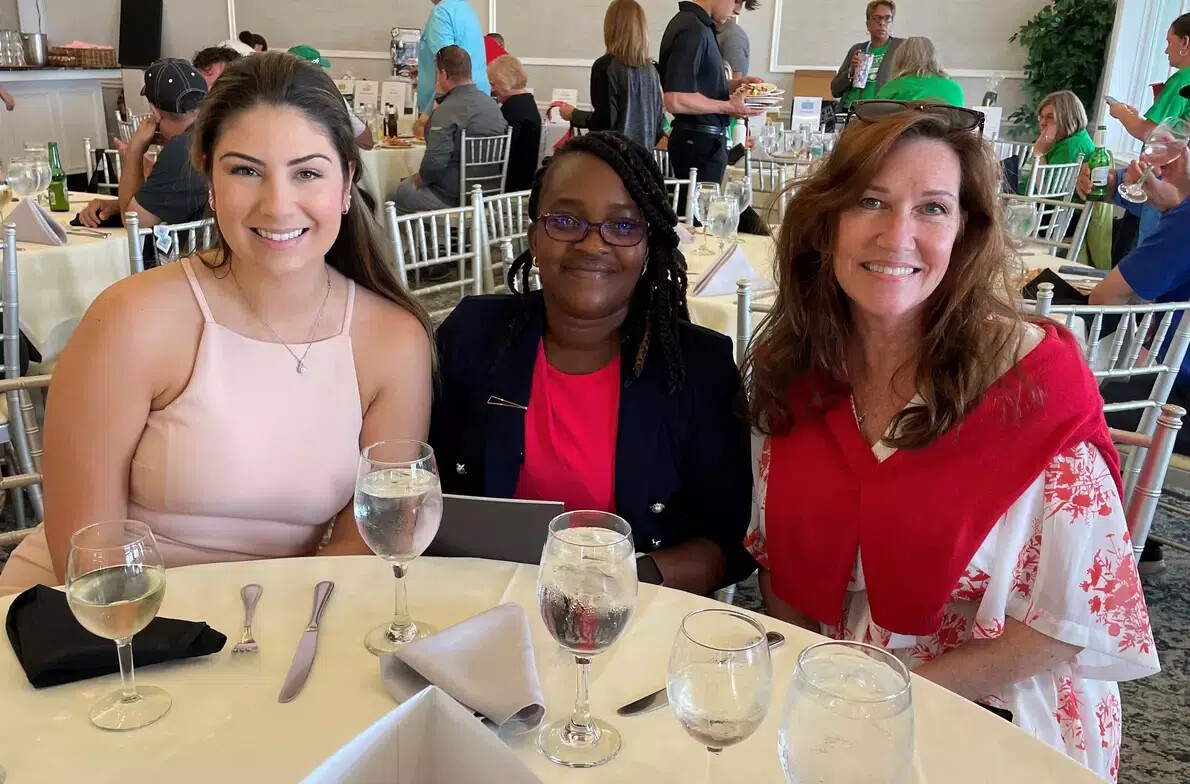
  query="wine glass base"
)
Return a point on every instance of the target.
[
  {"x": 380, "y": 640},
  {"x": 562, "y": 745},
  {"x": 702, "y": 252},
  {"x": 1127, "y": 195},
  {"x": 114, "y": 713}
]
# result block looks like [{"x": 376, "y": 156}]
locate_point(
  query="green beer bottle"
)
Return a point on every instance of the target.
[
  {"x": 1100, "y": 163},
  {"x": 59, "y": 201}
]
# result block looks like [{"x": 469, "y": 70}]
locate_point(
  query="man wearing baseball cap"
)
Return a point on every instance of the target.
[{"x": 172, "y": 192}]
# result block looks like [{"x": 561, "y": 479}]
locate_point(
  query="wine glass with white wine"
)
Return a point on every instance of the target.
[
  {"x": 398, "y": 508},
  {"x": 1164, "y": 145},
  {"x": 115, "y": 581},
  {"x": 586, "y": 590}
]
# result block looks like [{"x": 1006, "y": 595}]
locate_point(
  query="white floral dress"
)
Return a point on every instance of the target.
[{"x": 1059, "y": 561}]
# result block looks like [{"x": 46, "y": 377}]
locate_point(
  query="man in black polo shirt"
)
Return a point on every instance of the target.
[{"x": 697, "y": 91}]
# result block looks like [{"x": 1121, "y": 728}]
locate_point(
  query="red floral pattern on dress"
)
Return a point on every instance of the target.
[
  {"x": 882, "y": 637},
  {"x": 951, "y": 634},
  {"x": 987, "y": 630},
  {"x": 1110, "y": 731},
  {"x": 1026, "y": 563},
  {"x": 1068, "y": 714},
  {"x": 972, "y": 585},
  {"x": 842, "y": 630},
  {"x": 1074, "y": 486},
  {"x": 1117, "y": 600},
  {"x": 756, "y": 544}
]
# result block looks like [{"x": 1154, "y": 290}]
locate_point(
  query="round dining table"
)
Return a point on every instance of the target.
[
  {"x": 227, "y": 725},
  {"x": 383, "y": 169}
]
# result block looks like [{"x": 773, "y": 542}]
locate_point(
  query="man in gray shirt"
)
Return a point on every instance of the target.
[
  {"x": 733, "y": 41},
  {"x": 462, "y": 107}
]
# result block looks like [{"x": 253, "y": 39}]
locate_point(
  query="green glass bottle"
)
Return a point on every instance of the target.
[
  {"x": 59, "y": 201},
  {"x": 1100, "y": 163}
]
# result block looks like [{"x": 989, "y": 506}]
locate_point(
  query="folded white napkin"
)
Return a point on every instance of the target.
[
  {"x": 485, "y": 662},
  {"x": 429, "y": 739},
  {"x": 685, "y": 237},
  {"x": 35, "y": 224},
  {"x": 722, "y": 276}
]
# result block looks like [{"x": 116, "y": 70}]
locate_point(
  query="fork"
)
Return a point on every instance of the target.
[{"x": 251, "y": 595}]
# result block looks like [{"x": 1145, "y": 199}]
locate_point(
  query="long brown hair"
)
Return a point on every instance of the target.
[
  {"x": 626, "y": 33},
  {"x": 280, "y": 79},
  {"x": 971, "y": 332}
]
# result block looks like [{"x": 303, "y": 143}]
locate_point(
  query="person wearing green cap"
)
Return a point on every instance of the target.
[{"x": 363, "y": 134}]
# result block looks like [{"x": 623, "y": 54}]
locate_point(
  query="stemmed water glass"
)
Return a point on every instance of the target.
[
  {"x": 1165, "y": 144},
  {"x": 741, "y": 191},
  {"x": 848, "y": 716},
  {"x": 720, "y": 678},
  {"x": 724, "y": 219},
  {"x": 398, "y": 507},
  {"x": 115, "y": 581},
  {"x": 22, "y": 177},
  {"x": 1020, "y": 218},
  {"x": 770, "y": 138},
  {"x": 706, "y": 192},
  {"x": 586, "y": 589},
  {"x": 40, "y": 158}
]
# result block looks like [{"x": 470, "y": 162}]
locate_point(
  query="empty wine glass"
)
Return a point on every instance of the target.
[
  {"x": 115, "y": 581},
  {"x": 724, "y": 219},
  {"x": 398, "y": 507},
  {"x": 848, "y": 716},
  {"x": 1165, "y": 144},
  {"x": 707, "y": 191},
  {"x": 586, "y": 589},
  {"x": 720, "y": 678}
]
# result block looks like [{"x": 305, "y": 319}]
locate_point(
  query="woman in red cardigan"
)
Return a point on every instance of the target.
[{"x": 933, "y": 474}]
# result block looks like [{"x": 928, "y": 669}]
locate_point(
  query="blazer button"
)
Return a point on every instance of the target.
[
  {"x": 460, "y": 469},
  {"x": 657, "y": 508}
]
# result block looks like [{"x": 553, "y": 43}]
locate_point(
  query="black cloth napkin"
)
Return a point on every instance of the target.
[
  {"x": 1064, "y": 293},
  {"x": 53, "y": 648}
]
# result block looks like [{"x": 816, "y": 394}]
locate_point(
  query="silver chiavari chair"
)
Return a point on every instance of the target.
[
  {"x": 1055, "y": 181},
  {"x": 428, "y": 239},
  {"x": 506, "y": 235},
  {"x": 1145, "y": 342},
  {"x": 1157, "y": 449},
  {"x": 185, "y": 239},
  {"x": 19, "y": 431},
  {"x": 484, "y": 162},
  {"x": 1022, "y": 151},
  {"x": 689, "y": 186},
  {"x": 1052, "y": 225},
  {"x": 109, "y": 164},
  {"x": 128, "y": 127},
  {"x": 662, "y": 158}
]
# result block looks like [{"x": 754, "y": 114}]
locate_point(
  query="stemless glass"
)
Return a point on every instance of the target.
[
  {"x": 848, "y": 717},
  {"x": 586, "y": 589},
  {"x": 115, "y": 581},
  {"x": 706, "y": 192},
  {"x": 720, "y": 678},
  {"x": 724, "y": 219},
  {"x": 1165, "y": 144},
  {"x": 398, "y": 507}
]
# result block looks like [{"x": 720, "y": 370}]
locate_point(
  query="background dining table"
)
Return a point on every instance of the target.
[
  {"x": 226, "y": 723},
  {"x": 58, "y": 283},
  {"x": 383, "y": 169}
]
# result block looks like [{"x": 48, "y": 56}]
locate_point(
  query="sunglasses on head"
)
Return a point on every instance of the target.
[{"x": 960, "y": 119}]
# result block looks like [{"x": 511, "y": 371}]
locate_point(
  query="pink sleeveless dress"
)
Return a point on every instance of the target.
[{"x": 252, "y": 460}]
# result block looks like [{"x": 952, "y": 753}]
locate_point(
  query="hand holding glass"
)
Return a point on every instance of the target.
[
  {"x": 1165, "y": 144},
  {"x": 398, "y": 507},
  {"x": 115, "y": 581}
]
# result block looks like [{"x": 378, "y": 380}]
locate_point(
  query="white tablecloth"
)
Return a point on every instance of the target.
[
  {"x": 383, "y": 170},
  {"x": 58, "y": 283},
  {"x": 226, "y": 723}
]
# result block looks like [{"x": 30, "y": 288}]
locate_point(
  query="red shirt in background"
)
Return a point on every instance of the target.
[{"x": 570, "y": 437}]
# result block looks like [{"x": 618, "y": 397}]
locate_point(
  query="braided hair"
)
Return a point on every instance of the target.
[{"x": 658, "y": 302}]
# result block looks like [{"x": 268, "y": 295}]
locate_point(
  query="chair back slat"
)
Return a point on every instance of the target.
[
  {"x": 1055, "y": 181},
  {"x": 506, "y": 235},
  {"x": 676, "y": 188},
  {"x": 662, "y": 158},
  {"x": 1052, "y": 219},
  {"x": 425, "y": 240},
  {"x": 483, "y": 161}
]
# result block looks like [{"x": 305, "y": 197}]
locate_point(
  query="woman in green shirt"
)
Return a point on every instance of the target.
[
  {"x": 918, "y": 76},
  {"x": 1063, "y": 136},
  {"x": 1169, "y": 102}
]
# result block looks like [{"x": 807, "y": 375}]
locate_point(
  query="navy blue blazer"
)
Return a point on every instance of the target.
[{"x": 682, "y": 460}]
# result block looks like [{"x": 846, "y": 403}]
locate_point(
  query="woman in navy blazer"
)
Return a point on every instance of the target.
[{"x": 613, "y": 293}]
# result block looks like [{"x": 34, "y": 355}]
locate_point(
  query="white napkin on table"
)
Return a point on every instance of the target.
[
  {"x": 429, "y": 739},
  {"x": 721, "y": 277},
  {"x": 685, "y": 237},
  {"x": 35, "y": 224},
  {"x": 485, "y": 662}
]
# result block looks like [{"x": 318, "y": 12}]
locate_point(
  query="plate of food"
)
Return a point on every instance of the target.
[
  {"x": 395, "y": 141},
  {"x": 759, "y": 89}
]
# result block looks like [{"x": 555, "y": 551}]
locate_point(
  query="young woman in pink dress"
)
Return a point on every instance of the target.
[
  {"x": 223, "y": 400},
  {"x": 933, "y": 474}
]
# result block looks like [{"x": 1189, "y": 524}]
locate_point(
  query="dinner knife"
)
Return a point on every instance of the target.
[
  {"x": 303, "y": 657},
  {"x": 659, "y": 698}
]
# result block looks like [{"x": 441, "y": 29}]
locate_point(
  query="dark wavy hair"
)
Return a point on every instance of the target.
[
  {"x": 971, "y": 331},
  {"x": 659, "y": 300},
  {"x": 279, "y": 79}
]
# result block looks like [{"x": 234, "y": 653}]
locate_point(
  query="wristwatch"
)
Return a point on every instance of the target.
[{"x": 646, "y": 569}]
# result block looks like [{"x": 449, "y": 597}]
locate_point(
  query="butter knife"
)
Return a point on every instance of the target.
[
  {"x": 659, "y": 698},
  {"x": 303, "y": 657}
]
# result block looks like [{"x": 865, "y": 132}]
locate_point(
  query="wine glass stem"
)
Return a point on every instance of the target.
[
  {"x": 1139, "y": 185},
  {"x": 401, "y": 619},
  {"x": 581, "y": 718},
  {"x": 127, "y": 677},
  {"x": 712, "y": 764}
]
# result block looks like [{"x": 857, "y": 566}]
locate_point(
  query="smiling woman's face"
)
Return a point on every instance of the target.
[
  {"x": 278, "y": 187},
  {"x": 591, "y": 278}
]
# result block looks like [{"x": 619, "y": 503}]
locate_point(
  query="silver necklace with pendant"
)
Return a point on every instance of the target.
[{"x": 301, "y": 361}]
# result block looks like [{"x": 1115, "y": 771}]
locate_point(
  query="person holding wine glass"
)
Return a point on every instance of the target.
[
  {"x": 888, "y": 374},
  {"x": 596, "y": 390},
  {"x": 1170, "y": 101},
  {"x": 251, "y": 376}
]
